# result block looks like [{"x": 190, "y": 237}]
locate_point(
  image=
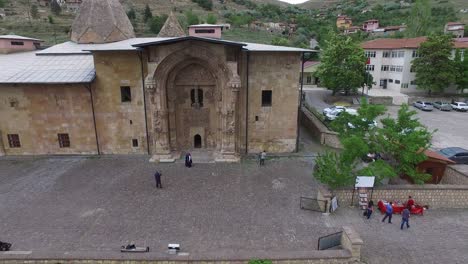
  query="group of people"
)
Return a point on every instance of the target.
[{"x": 405, "y": 214}]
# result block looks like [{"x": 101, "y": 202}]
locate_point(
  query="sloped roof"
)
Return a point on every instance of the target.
[
  {"x": 437, "y": 157},
  {"x": 101, "y": 21},
  {"x": 171, "y": 28},
  {"x": 16, "y": 37},
  {"x": 31, "y": 69},
  {"x": 205, "y": 26}
]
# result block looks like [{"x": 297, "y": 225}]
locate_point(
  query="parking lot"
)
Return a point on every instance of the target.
[{"x": 451, "y": 126}]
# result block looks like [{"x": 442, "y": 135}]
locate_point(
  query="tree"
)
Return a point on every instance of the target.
[
  {"x": 342, "y": 65},
  {"x": 333, "y": 171},
  {"x": 278, "y": 41},
  {"x": 192, "y": 18},
  {"x": 147, "y": 15},
  {"x": 156, "y": 23},
  {"x": 131, "y": 14},
  {"x": 211, "y": 19},
  {"x": 434, "y": 68},
  {"x": 34, "y": 12},
  {"x": 205, "y": 4},
  {"x": 461, "y": 63},
  {"x": 2, "y": 3},
  {"x": 55, "y": 7},
  {"x": 419, "y": 19}
]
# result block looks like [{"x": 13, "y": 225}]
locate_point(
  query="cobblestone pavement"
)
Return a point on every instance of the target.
[
  {"x": 99, "y": 204},
  {"x": 440, "y": 236}
]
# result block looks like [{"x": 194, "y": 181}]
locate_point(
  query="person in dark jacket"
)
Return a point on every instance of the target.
[
  {"x": 370, "y": 209},
  {"x": 405, "y": 215},
  {"x": 188, "y": 160},
  {"x": 157, "y": 177}
]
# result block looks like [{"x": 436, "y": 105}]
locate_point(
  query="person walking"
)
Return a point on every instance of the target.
[
  {"x": 262, "y": 158},
  {"x": 388, "y": 213},
  {"x": 188, "y": 160},
  {"x": 370, "y": 209},
  {"x": 405, "y": 215},
  {"x": 157, "y": 177}
]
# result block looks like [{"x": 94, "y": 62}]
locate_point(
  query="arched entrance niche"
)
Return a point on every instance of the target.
[{"x": 172, "y": 104}]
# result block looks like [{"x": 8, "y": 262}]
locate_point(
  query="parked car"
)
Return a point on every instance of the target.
[
  {"x": 459, "y": 155},
  {"x": 331, "y": 109},
  {"x": 334, "y": 114},
  {"x": 425, "y": 106},
  {"x": 459, "y": 106},
  {"x": 443, "y": 106},
  {"x": 370, "y": 124}
]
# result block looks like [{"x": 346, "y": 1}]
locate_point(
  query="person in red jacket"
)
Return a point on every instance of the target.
[{"x": 410, "y": 202}]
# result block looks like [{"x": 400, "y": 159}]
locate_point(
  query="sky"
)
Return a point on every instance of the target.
[{"x": 294, "y": 1}]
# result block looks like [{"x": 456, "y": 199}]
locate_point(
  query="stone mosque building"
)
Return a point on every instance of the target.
[{"x": 108, "y": 92}]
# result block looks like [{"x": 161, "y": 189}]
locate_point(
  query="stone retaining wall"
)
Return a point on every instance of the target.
[
  {"x": 435, "y": 196},
  {"x": 319, "y": 130},
  {"x": 455, "y": 174}
]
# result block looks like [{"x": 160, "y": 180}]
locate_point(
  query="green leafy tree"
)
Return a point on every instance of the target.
[
  {"x": 342, "y": 65},
  {"x": 211, "y": 19},
  {"x": 461, "y": 64},
  {"x": 55, "y": 7},
  {"x": 131, "y": 14},
  {"x": 192, "y": 18},
  {"x": 331, "y": 169},
  {"x": 2, "y": 3},
  {"x": 205, "y": 4},
  {"x": 34, "y": 12},
  {"x": 147, "y": 15},
  {"x": 419, "y": 19},
  {"x": 156, "y": 23},
  {"x": 435, "y": 70},
  {"x": 278, "y": 41}
]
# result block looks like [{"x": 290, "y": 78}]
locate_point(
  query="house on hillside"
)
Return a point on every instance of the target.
[
  {"x": 370, "y": 25},
  {"x": 343, "y": 22},
  {"x": 205, "y": 31},
  {"x": 72, "y": 6},
  {"x": 14, "y": 43},
  {"x": 352, "y": 30},
  {"x": 310, "y": 67},
  {"x": 390, "y": 62},
  {"x": 455, "y": 28}
]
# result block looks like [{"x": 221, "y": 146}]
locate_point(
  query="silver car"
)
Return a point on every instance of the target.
[
  {"x": 425, "y": 106},
  {"x": 443, "y": 106}
]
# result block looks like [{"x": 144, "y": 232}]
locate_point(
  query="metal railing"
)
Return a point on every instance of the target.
[
  {"x": 329, "y": 241},
  {"x": 312, "y": 204}
]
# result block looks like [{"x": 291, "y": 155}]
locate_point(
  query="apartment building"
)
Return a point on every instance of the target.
[{"x": 390, "y": 60}]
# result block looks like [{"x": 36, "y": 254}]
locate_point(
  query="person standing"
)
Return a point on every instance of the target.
[
  {"x": 157, "y": 177},
  {"x": 262, "y": 158},
  {"x": 410, "y": 202},
  {"x": 188, "y": 160},
  {"x": 388, "y": 213},
  {"x": 405, "y": 215},
  {"x": 370, "y": 209}
]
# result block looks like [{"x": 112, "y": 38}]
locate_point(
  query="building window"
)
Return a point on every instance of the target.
[
  {"x": 196, "y": 96},
  {"x": 135, "y": 143},
  {"x": 399, "y": 68},
  {"x": 266, "y": 98},
  {"x": 416, "y": 54},
  {"x": 210, "y": 31},
  {"x": 369, "y": 67},
  {"x": 392, "y": 68},
  {"x": 404, "y": 85},
  {"x": 385, "y": 67},
  {"x": 17, "y": 43},
  {"x": 386, "y": 54},
  {"x": 370, "y": 54},
  {"x": 309, "y": 79},
  {"x": 390, "y": 80},
  {"x": 14, "y": 141},
  {"x": 125, "y": 94},
  {"x": 64, "y": 140},
  {"x": 397, "y": 81},
  {"x": 412, "y": 69},
  {"x": 413, "y": 82},
  {"x": 398, "y": 54}
]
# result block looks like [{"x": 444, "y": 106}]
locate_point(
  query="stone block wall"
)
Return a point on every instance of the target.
[
  {"x": 455, "y": 174},
  {"x": 435, "y": 196},
  {"x": 319, "y": 130}
]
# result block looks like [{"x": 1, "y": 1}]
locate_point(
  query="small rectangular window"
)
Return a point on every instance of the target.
[
  {"x": 397, "y": 81},
  {"x": 64, "y": 140},
  {"x": 413, "y": 82},
  {"x": 135, "y": 143},
  {"x": 370, "y": 67},
  {"x": 386, "y": 54},
  {"x": 14, "y": 141},
  {"x": 210, "y": 31},
  {"x": 125, "y": 94},
  {"x": 17, "y": 43},
  {"x": 266, "y": 97},
  {"x": 390, "y": 80},
  {"x": 404, "y": 85}
]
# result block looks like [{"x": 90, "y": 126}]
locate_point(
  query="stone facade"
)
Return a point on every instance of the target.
[
  {"x": 456, "y": 175},
  {"x": 315, "y": 126},
  {"x": 38, "y": 113}
]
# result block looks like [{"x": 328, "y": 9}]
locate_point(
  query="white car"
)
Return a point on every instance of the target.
[
  {"x": 459, "y": 106},
  {"x": 371, "y": 124},
  {"x": 333, "y": 108},
  {"x": 334, "y": 114}
]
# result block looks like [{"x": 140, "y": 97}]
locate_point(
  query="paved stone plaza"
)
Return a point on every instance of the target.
[{"x": 89, "y": 207}]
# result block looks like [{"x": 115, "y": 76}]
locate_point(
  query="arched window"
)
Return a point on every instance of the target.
[{"x": 196, "y": 95}]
